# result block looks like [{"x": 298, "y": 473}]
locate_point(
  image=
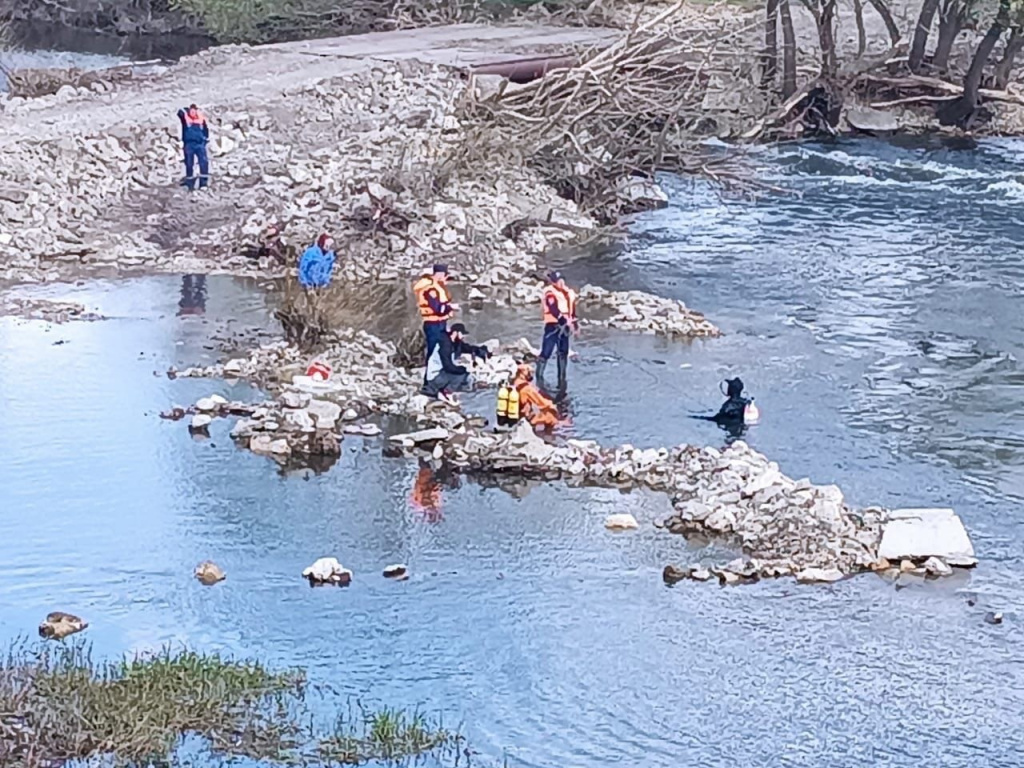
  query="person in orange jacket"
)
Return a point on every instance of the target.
[{"x": 533, "y": 406}]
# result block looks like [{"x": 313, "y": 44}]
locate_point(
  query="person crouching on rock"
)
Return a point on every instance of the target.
[
  {"x": 533, "y": 406},
  {"x": 317, "y": 264},
  {"x": 195, "y": 134},
  {"x": 444, "y": 375}
]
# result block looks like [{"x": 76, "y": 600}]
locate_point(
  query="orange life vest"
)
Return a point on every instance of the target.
[
  {"x": 423, "y": 286},
  {"x": 199, "y": 119},
  {"x": 564, "y": 300}
]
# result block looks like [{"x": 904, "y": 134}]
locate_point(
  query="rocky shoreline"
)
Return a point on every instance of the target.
[{"x": 784, "y": 527}]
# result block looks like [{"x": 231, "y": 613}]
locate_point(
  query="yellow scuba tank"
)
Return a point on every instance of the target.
[
  {"x": 502, "y": 409},
  {"x": 513, "y": 404}
]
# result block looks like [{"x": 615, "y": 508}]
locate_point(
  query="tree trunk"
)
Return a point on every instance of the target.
[
  {"x": 960, "y": 111},
  {"x": 1005, "y": 66},
  {"x": 827, "y": 40},
  {"x": 951, "y": 22},
  {"x": 788, "y": 50},
  {"x": 921, "y": 31},
  {"x": 887, "y": 19},
  {"x": 770, "y": 63},
  {"x": 862, "y": 35}
]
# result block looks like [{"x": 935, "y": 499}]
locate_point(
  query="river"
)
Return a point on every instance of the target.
[{"x": 874, "y": 309}]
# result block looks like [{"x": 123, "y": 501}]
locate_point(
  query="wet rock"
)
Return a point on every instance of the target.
[
  {"x": 422, "y": 436},
  {"x": 398, "y": 572},
  {"x": 174, "y": 414},
  {"x": 324, "y": 413},
  {"x": 209, "y": 573},
  {"x": 994, "y": 618},
  {"x": 299, "y": 419},
  {"x": 268, "y": 445},
  {"x": 211, "y": 403},
  {"x": 700, "y": 574},
  {"x": 673, "y": 574},
  {"x": 292, "y": 399},
  {"x": 638, "y": 194},
  {"x": 907, "y": 566},
  {"x": 59, "y": 625},
  {"x": 350, "y": 414},
  {"x": 327, "y": 570},
  {"x": 819, "y": 575},
  {"x": 872, "y": 121},
  {"x": 922, "y": 533},
  {"x": 935, "y": 566},
  {"x": 200, "y": 422},
  {"x": 620, "y": 522}
]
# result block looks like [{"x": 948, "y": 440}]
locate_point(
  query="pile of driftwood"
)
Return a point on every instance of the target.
[{"x": 633, "y": 108}]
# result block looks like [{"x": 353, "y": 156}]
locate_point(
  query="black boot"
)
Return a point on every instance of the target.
[
  {"x": 563, "y": 364},
  {"x": 542, "y": 363}
]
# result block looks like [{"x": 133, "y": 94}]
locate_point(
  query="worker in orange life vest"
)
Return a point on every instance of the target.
[
  {"x": 533, "y": 406},
  {"x": 435, "y": 305},
  {"x": 195, "y": 133},
  {"x": 558, "y": 306}
]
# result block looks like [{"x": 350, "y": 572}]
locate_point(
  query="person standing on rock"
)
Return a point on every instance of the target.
[
  {"x": 558, "y": 308},
  {"x": 316, "y": 267},
  {"x": 435, "y": 306},
  {"x": 195, "y": 134}
]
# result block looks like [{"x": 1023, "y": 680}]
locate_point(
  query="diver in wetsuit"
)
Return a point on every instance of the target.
[{"x": 733, "y": 415}]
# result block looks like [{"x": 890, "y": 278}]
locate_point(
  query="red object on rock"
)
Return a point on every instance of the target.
[{"x": 320, "y": 371}]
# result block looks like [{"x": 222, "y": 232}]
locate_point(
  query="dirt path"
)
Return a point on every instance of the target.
[{"x": 236, "y": 77}]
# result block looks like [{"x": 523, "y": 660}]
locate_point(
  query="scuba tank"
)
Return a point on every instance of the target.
[
  {"x": 751, "y": 414},
  {"x": 508, "y": 405}
]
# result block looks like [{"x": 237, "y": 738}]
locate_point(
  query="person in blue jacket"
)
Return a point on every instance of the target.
[
  {"x": 195, "y": 134},
  {"x": 317, "y": 264}
]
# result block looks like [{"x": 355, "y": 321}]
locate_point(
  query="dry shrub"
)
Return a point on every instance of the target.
[{"x": 310, "y": 317}]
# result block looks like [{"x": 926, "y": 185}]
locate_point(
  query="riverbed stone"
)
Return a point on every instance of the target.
[
  {"x": 327, "y": 570},
  {"x": 923, "y": 533},
  {"x": 58, "y": 625},
  {"x": 622, "y": 521},
  {"x": 209, "y": 573},
  {"x": 819, "y": 575}
]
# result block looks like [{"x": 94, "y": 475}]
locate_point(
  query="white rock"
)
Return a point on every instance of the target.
[
  {"x": 620, "y": 522},
  {"x": 201, "y": 421},
  {"x": 300, "y": 419},
  {"x": 819, "y": 575},
  {"x": 423, "y": 436},
  {"x": 351, "y": 414},
  {"x": 324, "y": 412},
  {"x": 937, "y": 567},
  {"x": 918, "y": 534},
  {"x": 327, "y": 570},
  {"x": 206, "y": 404}
]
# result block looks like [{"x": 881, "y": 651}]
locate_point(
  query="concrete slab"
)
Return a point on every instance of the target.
[{"x": 917, "y": 534}]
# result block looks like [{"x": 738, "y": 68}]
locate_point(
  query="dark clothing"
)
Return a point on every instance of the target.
[
  {"x": 433, "y": 332},
  {"x": 196, "y": 153},
  {"x": 442, "y": 370},
  {"x": 556, "y": 336},
  {"x": 440, "y": 308},
  {"x": 452, "y": 382},
  {"x": 191, "y": 132},
  {"x": 732, "y": 410}
]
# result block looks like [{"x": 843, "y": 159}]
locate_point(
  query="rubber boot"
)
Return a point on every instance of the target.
[
  {"x": 541, "y": 365},
  {"x": 563, "y": 364}
]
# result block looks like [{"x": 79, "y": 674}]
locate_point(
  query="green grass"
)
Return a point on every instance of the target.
[{"x": 57, "y": 705}]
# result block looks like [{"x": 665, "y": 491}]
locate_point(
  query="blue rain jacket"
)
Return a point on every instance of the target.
[{"x": 316, "y": 267}]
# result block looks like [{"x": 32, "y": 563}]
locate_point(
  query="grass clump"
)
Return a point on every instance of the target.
[
  {"x": 58, "y": 705},
  {"x": 386, "y": 735}
]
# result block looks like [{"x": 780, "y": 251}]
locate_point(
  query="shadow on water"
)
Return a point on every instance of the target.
[{"x": 875, "y": 316}]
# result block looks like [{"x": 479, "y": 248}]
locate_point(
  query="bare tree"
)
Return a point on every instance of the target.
[
  {"x": 771, "y": 44},
  {"x": 824, "y": 13},
  {"x": 887, "y": 19},
  {"x": 921, "y": 32},
  {"x": 788, "y": 50},
  {"x": 1004, "y": 68},
  {"x": 961, "y": 111},
  {"x": 953, "y": 15},
  {"x": 862, "y": 36}
]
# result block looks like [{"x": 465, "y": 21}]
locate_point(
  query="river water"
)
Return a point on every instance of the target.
[{"x": 875, "y": 311}]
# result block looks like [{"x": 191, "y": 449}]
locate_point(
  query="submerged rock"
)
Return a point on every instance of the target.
[
  {"x": 620, "y": 522},
  {"x": 59, "y": 625},
  {"x": 994, "y": 617},
  {"x": 327, "y": 570},
  {"x": 819, "y": 575},
  {"x": 200, "y": 422},
  {"x": 209, "y": 573},
  {"x": 397, "y": 572}
]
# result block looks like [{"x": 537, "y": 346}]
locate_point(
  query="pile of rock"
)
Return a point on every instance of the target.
[
  {"x": 44, "y": 309},
  {"x": 647, "y": 313}
]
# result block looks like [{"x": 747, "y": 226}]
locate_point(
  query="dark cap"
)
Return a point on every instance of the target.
[
  {"x": 458, "y": 328},
  {"x": 440, "y": 269},
  {"x": 554, "y": 276},
  {"x": 192, "y": 106}
]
